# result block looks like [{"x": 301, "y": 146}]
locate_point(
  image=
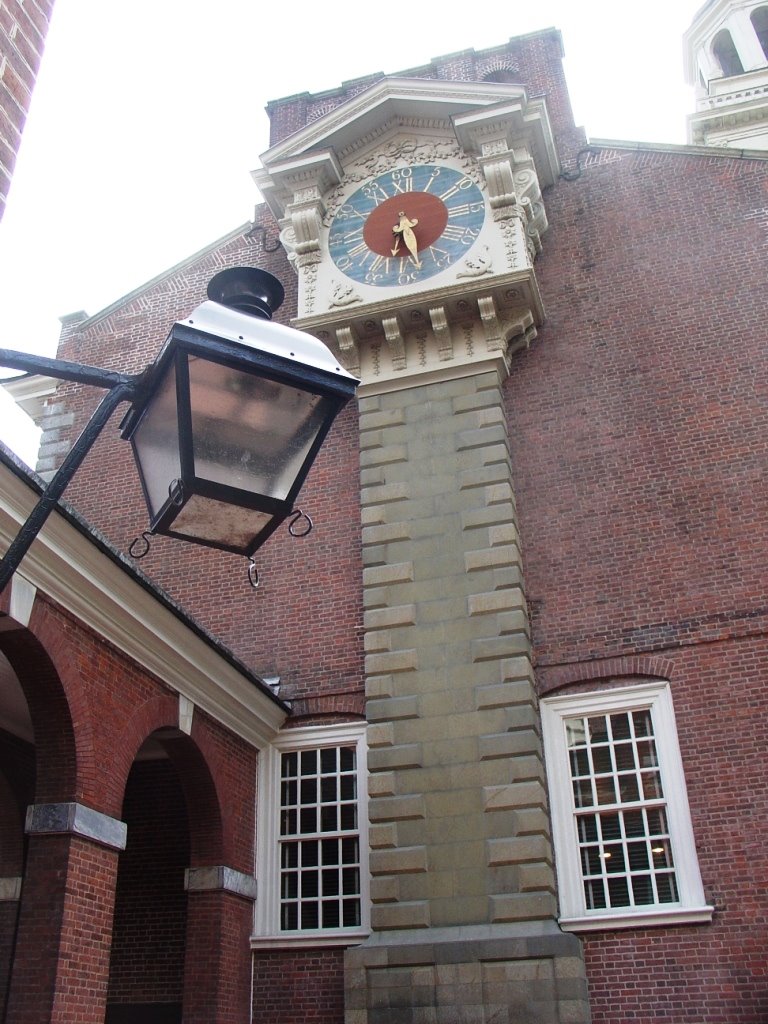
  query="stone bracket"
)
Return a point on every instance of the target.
[{"x": 442, "y": 331}]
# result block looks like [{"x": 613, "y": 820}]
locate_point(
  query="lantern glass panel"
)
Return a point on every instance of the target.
[
  {"x": 217, "y": 522},
  {"x": 248, "y": 432},
  {"x": 157, "y": 443}
]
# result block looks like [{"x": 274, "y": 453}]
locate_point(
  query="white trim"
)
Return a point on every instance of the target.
[
  {"x": 657, "y": 698},
  {"x": 267, "y": 912},
  {"x": 65, "y": 564}
]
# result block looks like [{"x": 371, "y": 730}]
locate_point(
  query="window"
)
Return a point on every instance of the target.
[
  {"x": 312, "y": 851},
  {"x": 621, "y": 825},
  {"x": 726, "y": 55},
  {"x": 759, "y": 18}
]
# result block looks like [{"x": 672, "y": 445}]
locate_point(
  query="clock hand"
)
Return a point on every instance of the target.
[{"x": 404, "y": 232}]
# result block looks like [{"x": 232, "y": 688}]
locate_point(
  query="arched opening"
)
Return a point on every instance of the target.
[
  {"x": 502, "y": 75},
  {"x": 146, "y": 975},
  {"x": 726, "y": 54},
  {"x": 37, "y": 766},
  {"x": 759, "y": 19}
]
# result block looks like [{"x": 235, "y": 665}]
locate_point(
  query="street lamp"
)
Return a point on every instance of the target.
[{"x": 224, "y": 424}]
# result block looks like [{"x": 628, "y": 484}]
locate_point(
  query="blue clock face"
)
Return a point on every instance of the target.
[{"x": 406, "y": 225}]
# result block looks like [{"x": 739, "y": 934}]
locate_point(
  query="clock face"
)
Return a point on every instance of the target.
[{"x": 406, "y": 225}]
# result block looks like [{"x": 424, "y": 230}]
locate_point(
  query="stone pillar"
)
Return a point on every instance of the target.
[{"x": 463, "y": 890}]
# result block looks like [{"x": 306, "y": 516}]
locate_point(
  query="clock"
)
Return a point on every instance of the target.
[{"x": 406, "y": 225}]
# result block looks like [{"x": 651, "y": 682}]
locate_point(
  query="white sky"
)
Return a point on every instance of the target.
[{"x": 148, "y": 116}]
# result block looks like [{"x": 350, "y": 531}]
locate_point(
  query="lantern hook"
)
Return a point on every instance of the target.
[
  {"x": 295, "y": 531},
  {"x": 140, "y": 545},
  {"x": 253, "y": 574}
]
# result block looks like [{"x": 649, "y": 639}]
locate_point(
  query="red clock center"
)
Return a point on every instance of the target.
[{"x": 429, "y": 213}]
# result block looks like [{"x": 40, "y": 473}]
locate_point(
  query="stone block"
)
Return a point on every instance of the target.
[
  {"x": 392, "y": 916},
  {"x": 381, "y": 419},
  {"x": 403, "y": 755},
  {"x": 491, "y": 558},
  {"x": 394, "y": 661},
  {"x": 383, "y": 456},
  {"x": 401, "y": 860},
  {"x": 509, "y": 744},
  {"x": 523, "y": 907},
  {"x": 385, "y": 493},
  {"x": 379, "y": 687},
  {"x": 377, "y": 640},
  {"x": 514, "y": 795},
  {"x": 394, "y": 709},
  {"x": 517, "y": 667},
  {"x": 381, "y": 784},
  {"x": 506, "y": 694},
  {"x": 495, "y": 601},
  {"x": 384, "y": 575},
  {"x": 498, "y": 647},
  {"x": 386, "y": 533},
  {"x": 385, "y": 889},
  {"x": 380, "y": 735},
  {"x": 397, "y": 808},
  {"x": 520, "y": 850},
  {"x": 383, "y": 618}
]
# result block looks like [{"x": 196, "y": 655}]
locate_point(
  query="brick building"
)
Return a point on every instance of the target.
[
  {"x": 23, "y": 28},
  {"x": 492, "y": 734}
]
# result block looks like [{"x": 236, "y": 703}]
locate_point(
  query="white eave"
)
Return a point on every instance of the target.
[{"x": 67, "y": 564}]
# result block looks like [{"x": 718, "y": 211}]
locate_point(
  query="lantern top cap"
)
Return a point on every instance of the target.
[
  {"x": 251, "y": 332},
  {"x": 247, "y": 289}
]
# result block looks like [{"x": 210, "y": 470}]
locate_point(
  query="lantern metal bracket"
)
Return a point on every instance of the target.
[{"x": 120, "y": 387}]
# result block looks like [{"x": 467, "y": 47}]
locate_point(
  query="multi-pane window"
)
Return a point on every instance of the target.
[
  {"x": 621, "y": 818},
  {"x": 312, "y": 838},
  {"x": 319, "y": 840},
  {"x": 621, "y": 824}
]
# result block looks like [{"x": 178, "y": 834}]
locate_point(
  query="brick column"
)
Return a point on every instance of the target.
[
  {"x": 217, "y": 965},
  {"x": 61, "y": 963},
  {"x": 461, "y": 859}
]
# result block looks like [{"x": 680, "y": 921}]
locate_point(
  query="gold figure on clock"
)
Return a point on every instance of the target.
[{"x": 403, "y": 232}]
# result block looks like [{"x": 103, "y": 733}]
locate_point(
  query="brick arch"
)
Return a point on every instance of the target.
[
  {"x": 204, "y": 797},
  {"x": 159, "y": 712},
  {"x": 197, "y": 769},
  {"x": 38, "y": 658},
  {"x": 632, "y": 666}
]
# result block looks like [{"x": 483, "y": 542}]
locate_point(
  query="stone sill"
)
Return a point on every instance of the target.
[
  {"x": 650, "y": 919},
  {"x": 307, "y": 940}
]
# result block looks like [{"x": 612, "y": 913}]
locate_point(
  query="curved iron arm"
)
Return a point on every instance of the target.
[{"x": 121, "y": 388}]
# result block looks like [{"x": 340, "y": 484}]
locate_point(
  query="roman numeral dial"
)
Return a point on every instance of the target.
[{"x": 406, "y": 225}]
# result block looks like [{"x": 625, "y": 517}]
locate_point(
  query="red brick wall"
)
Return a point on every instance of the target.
[
  {"x": 148, "y": 938},
  {"x": 639, "y": 437},
  {"x": 23, "y": 27},
  {"x": 299, "y": 986}
]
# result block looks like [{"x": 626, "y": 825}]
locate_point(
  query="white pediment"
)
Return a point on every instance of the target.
[{"x": 316, "y": 154}]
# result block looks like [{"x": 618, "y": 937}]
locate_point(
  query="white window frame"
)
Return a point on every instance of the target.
[
  {"x": 574, "y": 915},
  {"x": 267, "y": 931}
]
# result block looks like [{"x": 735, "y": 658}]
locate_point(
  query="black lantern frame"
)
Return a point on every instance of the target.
[{"x": 185, "y": 344}]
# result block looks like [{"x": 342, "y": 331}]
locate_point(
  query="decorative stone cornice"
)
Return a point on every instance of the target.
[{"x": 438, "y": 334}]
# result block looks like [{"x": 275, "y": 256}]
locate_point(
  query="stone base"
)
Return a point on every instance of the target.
[{"x": 467, "y": 976}]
